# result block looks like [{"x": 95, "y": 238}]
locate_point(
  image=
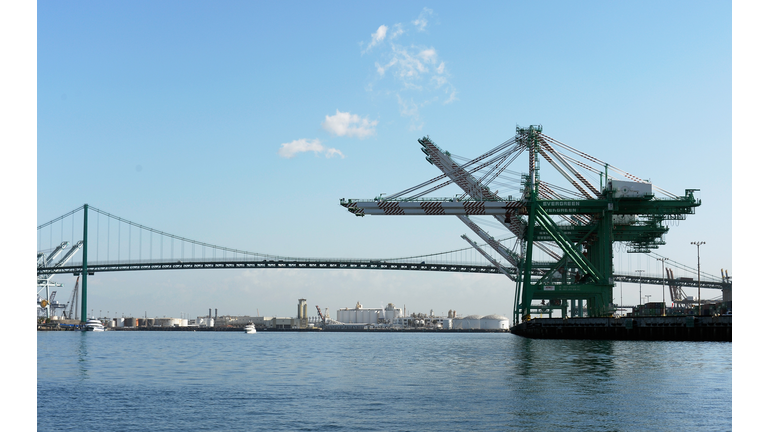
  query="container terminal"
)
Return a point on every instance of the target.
[
  {"x": 711, "y": 321},
  {"x": 651, "y": 321}
]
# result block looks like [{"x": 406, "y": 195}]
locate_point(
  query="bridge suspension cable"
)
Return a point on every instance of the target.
[{"x": 115, "y": 247}]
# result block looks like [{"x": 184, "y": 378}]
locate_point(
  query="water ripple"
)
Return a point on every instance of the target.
[{"x": 134, "y": 381}]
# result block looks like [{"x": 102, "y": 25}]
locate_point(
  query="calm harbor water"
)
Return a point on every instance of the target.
[{"x": 205, "y": 381}]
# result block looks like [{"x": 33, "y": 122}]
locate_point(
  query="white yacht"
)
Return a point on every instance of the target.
[
  {"x": 94, "y": 325},
  {"x": 250, "y": 328}
]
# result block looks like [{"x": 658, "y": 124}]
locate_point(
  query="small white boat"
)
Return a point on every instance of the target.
[
  {"x": 250, "y": 328},
  {"x": 94, "y": 325}
]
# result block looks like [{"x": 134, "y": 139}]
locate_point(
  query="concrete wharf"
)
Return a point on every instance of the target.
[{"x": 661, "y": 328}]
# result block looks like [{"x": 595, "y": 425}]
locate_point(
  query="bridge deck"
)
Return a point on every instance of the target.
[{"x": 334, "y": 265}]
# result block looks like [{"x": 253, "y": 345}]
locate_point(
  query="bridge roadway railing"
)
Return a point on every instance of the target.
[{"x": 333, "y": 264}]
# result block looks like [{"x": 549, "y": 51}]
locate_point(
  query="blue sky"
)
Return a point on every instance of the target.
[
  {"x": 242, "y": 124},
  {"x": 173, "y": 114}
]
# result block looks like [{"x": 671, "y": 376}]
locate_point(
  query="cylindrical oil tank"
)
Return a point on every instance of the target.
[
  {"x": 472, "y": 322},
  {"x": 494, "y": 322},
  {"x": 458, "y": 323},
  {"x": 447, "y": 323}
]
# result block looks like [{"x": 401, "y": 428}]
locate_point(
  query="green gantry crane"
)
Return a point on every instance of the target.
[{"x": 574, "y": 226}]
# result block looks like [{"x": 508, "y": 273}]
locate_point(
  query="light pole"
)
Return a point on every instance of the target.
[
  {"x": 663, "y": 300},
  {"x": 622, "y": 296},
  {"x": 640, "y": 275},
  {"x": 698, "y": 260}
]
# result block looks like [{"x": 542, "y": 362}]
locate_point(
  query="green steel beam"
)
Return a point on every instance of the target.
[{"x": 565, "y": 244}]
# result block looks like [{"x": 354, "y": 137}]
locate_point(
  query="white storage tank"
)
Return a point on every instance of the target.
[
  {"x": 205, "y": 322},
  {"x": 494, "y": 322},
  {"x": 472, "y": 322},
  {"x": 458, "y": 323},
  {"x": 162, "y": 322},
  {"x": 447, "y": 323}
]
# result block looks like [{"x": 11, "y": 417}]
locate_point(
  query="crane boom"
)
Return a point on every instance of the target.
[
  {"x": 49, "y": 259},
  {"x": 44, "y": 278},
  {"x": 508, "y": 255},
  {"x": 73, "y": 300},
  {"x": 320, "y": 314},
  {"x": 501, "y": 268}
]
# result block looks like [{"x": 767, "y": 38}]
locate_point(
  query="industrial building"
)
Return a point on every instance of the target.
[
  {"x": 391, "y": 317},
  {"x": 361, "y": 315}
]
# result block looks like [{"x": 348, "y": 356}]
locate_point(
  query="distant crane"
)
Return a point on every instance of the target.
[
  {"x": 55, "y": 305},
  {"x": 726, "y": 278},
  {"x": 727, "y": 292},
  {"x": 44, "y": 278},
  {"x": 320, "y": 314},
  {"x": 73, "y": 301},
  {"x": 679, "y": 298}
]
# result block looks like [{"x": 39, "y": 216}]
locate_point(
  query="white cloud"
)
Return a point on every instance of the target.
[
  {"x": 377, "y": 37},
  {"x": 451, "y": 97},
  {"x": 291, "y": 149},
  {"x": 332, "y": 151},
  {"x": 397, "y": 32},
  {"x": 410, "y": 70},
  {"x": 408, "y": 63},
  {"x": 409, "y": 108},
  {"x": 421, "y": 21},
  {"x": 428, "y": 55},
  {"x": 348, "y": 124}
]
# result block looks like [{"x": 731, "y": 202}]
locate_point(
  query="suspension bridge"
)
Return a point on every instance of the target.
[
  {"x": 565, "y": 242},
  {"x": 117, "y": 244},
  {"x": 123, "y": 245}
]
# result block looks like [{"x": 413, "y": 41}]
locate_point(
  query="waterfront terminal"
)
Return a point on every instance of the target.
[
  {"x": 358, "y": 318},
  {"x": 652, "y": 321}
]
